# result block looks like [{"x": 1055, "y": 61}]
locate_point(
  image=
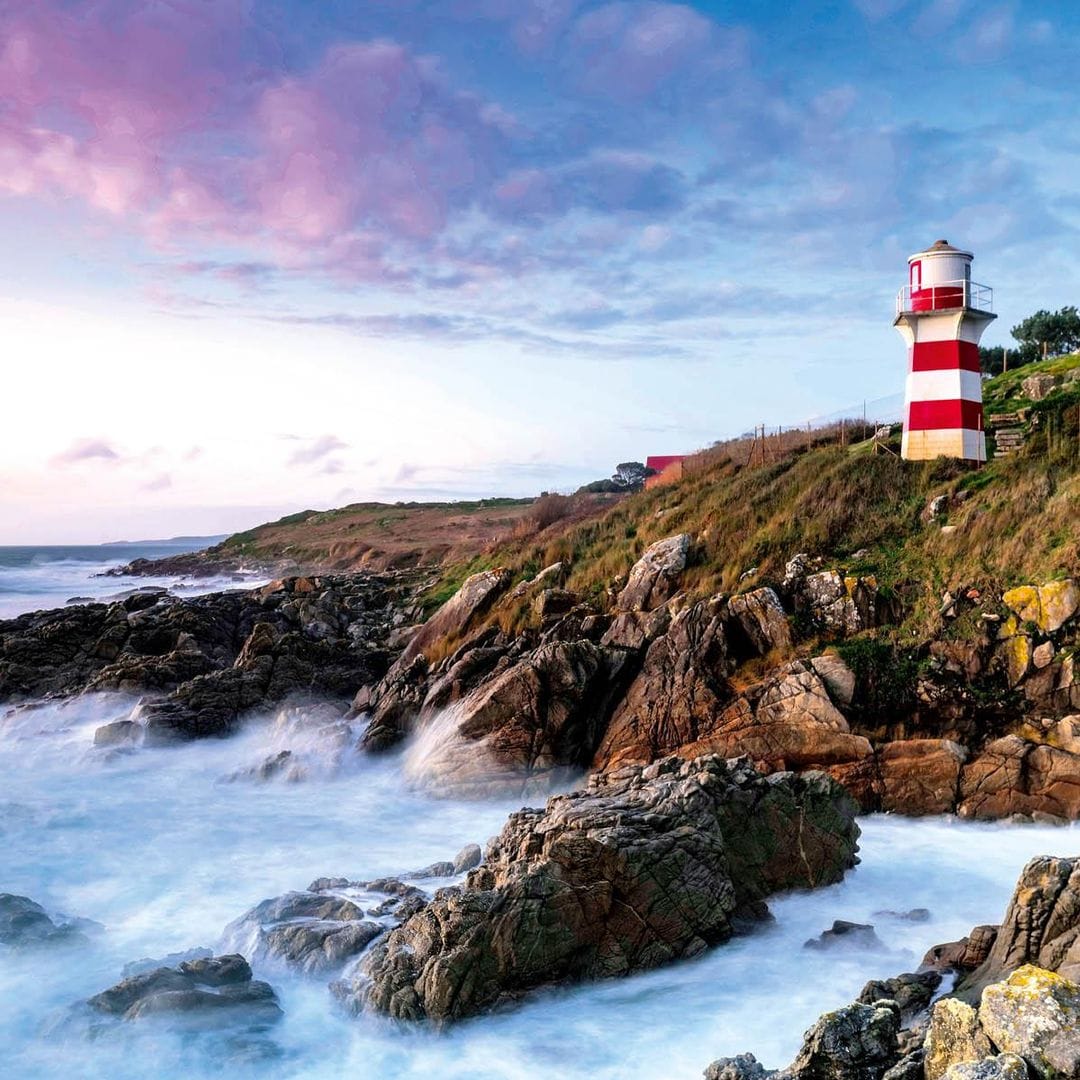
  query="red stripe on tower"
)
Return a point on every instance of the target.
[
  {"x": 941, "y": 314},
  {"x": 945, "y": 356}
]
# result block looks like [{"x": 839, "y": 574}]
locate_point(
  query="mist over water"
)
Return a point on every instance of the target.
[
  {"x": 155, "y": 847},
  {"x": 39, "y": 578}
]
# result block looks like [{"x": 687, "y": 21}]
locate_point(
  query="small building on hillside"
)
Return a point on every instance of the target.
[{"x": 666, "y": 469}]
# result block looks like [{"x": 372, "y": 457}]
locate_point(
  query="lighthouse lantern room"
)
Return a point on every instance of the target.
[{"x": 941, "y": 314}]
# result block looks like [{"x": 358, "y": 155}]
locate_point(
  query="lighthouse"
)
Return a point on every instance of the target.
[{"x": 941, "y": 314}]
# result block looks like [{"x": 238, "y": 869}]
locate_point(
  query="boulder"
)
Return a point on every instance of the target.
[
  {"x": 1015, "y": 776},
  {"x": 1048, "y": 606},
  {"x": 655, "y": 577},
  {"x": 26, "y": 924},
  {"x": 964, "y": 955},
  {"x": 1038, "y": 387},
  {"x": 1041, "y": 925},
  {"x": 760, "y": 618},
  {"x": 642, "y": 867},
  {"x": 740, "y": 1067},
  {"x": 207, "y": 993},
  {"x": 920, "y": 776},
  {"x": 913, "y": 992},
  {"x": 468, "y": 858},
  {"x": 857, "y": 1042},
  {"x": 844, "y": 934},
  {"x": 837, "y": 605},
  {"x": 539, "y": 720},
  {"x": 312, "y": 932},
  {"x": 838, "y": 678},
  {"x": 1036, "y": 1015},
  {"x": 118, "y": 733},
  {"x": 954, "y": 1038},
  {"x": 998, "y": 1067},
  {"x": 453, "y": 619}
]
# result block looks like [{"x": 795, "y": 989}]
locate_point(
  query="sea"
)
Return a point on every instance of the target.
[
  {"x": 161, "y": 854},
  {"x": 34, "y": 578}
]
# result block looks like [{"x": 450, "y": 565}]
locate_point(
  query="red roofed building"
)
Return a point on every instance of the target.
[{"x": 667, "y": 468}]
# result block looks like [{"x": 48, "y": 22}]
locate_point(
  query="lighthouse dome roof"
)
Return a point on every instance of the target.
[{"x": 941, "y": 247}]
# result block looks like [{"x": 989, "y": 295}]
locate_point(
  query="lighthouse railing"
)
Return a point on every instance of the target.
[{"x": 945, "y": 296}]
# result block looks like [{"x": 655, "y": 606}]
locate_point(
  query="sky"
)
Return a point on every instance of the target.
[{"x": 265, "y": 255}]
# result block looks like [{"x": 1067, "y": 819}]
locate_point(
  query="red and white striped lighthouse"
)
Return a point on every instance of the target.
[{"x": 941, "y": 314}]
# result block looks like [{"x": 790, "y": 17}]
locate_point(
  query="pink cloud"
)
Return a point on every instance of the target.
[{"x": 161, "y": 113}]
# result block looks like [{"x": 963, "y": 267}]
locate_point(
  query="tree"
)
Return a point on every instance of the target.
[
  {"x": 1050, "y": 333},
  {"x": 630, "y": 475}
]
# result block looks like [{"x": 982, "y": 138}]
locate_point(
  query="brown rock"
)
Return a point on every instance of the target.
[
  {"x": 760, "y": 617},
  {"x": 920, "y": 776},
  {"x": 1015, "y": 776},
  {"x": 655, "y": 576},
  {"x": 964, "y": 955}
]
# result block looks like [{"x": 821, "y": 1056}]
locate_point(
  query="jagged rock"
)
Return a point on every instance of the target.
[
  {"x": 964, "y": 955},
  {"x": 118, "y": 733},
  {"x": 835, "y": 604},
  {"x": 761, "y": 618},
  {"x": 1037, "y": 387},
  {"x": 740, "y": 1067},
  {"x": 857, "y": 1042},
  {"x": 643, "y": 866},
  {"x": 25, "y": 923},
  {"x": 913, "y": 991},
  {"x": 1048, "y": 606},
  {"x": 637, "y": 630},
  {"x": 218, "y": 991},
  {"x": 1042, "y": 655},
  {"x": 1041, "y": 925},
  {"x": 1015, "y": 776},
  {"x": 999, "y": 1067},
  {"x": 313, "y": 932},
  {"x": 1036, "y": 1015},
  {"x": 920, "y": 776},
  {"x": 954, "y": 1038},
  {"x": 909, "y": 1067},
  {"x": 454, "y": 618},
  {"x": 468, "y": 858},
  {"x": 541, "y": 717},
  {"x": 655, "y": 576},
  {"x": 838, "y": 678},
  {"x": 843, "y": 933},
  {"x": 553, "y": 602}
]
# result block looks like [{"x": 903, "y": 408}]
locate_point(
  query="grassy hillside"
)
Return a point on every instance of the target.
[
  {"x": 381, "y": 536},
  {"x": 1015, "y": 520}
]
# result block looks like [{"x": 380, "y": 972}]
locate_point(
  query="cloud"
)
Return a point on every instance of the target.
[
  {"x": 87, "y": 450},
  {"x": 161, "y": 482},
  {"x": 316, "y": 450}
]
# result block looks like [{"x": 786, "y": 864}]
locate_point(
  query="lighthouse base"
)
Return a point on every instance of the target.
[{"x": 960, "y": 443}]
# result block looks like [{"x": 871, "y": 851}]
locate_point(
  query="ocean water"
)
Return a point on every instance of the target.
[
  {"x": 163, "y": 855},
  {"x": 37, "y": 578}
]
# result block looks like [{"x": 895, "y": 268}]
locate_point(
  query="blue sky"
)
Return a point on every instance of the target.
[{"x": 270, "y": 255}]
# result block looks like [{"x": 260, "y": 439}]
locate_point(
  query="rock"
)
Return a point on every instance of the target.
[
  {"x": 637, "y": 630},
  {"x": 760, "y": 617},
  {"x": 936, "y": 507},
  {"x": 118, "y": 733},
  {"x": 846, "y": 934},
  {"x": 838, "y": 678},
  {"x": 920, "y": 776},
  {"x": 216, "y": 991},
  {"x": 837, "y": 605},
  {"x": 913, "y": 992},
  {"x": 915, "y": 915},
  {"x": 1048, "y": 606},
  {"x": 857, "y": 1042},
  {"x": 539, "y": 721},
  {"x": 1041, "y": 925},
  {"x": 642, "y": 867},
  {"x": 964, "y": 955},
  {"x": 1043, "y": 655},
  {"x": 740, "y": 1067},
  {"x": 140, "y": 967},
  {"x": 312, "y": 932},
  {"x": 468, "y": 858},
  {"x": 26, "y": 924},
  {"x": 1038, "y": 387},
  {"x": 1015, "y": 776},
  {"x": 453, "y": 619},
  {"x": 655, "y": 576},
  {"x": 954, "y": 1038},
  {"x": 999, "y": 1067},
  {"x": 909, "y": 1067},
  {"x": 554, "y": 602},
  {"x": 1036, "y": 1015}
]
